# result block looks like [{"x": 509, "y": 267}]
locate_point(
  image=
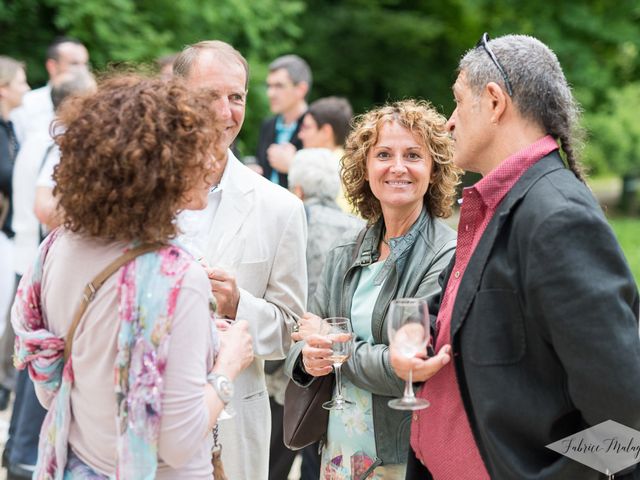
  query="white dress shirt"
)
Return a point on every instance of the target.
[
  {"x": 195, "y": 225},
  {"x": 35, "y": 113},
  {"x": 25, "y": 223}
]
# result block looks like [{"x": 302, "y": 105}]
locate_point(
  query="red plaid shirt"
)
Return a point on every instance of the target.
[{"x": 441, "y": 435}]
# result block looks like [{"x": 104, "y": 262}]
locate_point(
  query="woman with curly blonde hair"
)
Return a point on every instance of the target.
[
  {"x": 425, "y": 123},
  {"x": 127, "y": 392},
  {"x": 398, "y": 174}
]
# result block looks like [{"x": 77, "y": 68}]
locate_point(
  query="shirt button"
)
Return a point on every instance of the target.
[
  {"x": 466, "y": 228},
  {"x": 415, "y": 417},
  {"x": 457, "y": 274}
]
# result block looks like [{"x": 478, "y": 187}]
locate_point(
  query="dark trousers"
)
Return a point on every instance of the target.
[
  {"x": 26, "y": 421},
  {"x": 310, "y": 462},
  {"x": 415, "y": 469},
  {"x": 281, "y": 458}
]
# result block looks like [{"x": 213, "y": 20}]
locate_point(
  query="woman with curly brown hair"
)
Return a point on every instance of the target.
[
  {"x": 397, "y": 172},
  {"x": 128, "y": 390}
]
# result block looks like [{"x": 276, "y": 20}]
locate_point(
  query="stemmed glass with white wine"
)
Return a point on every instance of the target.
[
  {"x": 338, "y": 331},
  {"x": 408, "y": 328}
]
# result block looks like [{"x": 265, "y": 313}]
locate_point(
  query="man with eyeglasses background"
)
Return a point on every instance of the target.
[
  {"x": 539, "y": 305},
  {"x": 288, "y": 83}
]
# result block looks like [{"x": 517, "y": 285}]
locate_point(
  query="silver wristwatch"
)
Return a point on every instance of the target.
[{"x": 222, "y": 385}]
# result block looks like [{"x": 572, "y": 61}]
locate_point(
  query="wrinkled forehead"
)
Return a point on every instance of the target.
[
  {"x": 461, "y": 83},
  {"x": 221, "y": 73}
]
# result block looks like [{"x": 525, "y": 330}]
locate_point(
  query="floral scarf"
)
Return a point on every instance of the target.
[{"x": 148, "y": 289}]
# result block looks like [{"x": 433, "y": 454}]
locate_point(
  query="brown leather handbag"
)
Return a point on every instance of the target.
[{"x": 304, "y": 420}]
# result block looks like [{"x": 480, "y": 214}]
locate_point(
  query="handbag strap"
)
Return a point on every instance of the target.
[{"x": 93, "y": 286}]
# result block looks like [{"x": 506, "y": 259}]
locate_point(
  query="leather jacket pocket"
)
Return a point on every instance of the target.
[{"x": 495, "y": 333}]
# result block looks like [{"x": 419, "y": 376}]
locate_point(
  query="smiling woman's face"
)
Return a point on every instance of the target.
[{"x": 399, "y": 169}]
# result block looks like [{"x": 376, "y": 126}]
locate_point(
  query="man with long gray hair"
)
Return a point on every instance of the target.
[{"x": 539, "y": 307}]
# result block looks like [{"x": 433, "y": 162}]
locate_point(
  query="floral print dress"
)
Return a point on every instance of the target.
[{"x": 350, "y": 449}]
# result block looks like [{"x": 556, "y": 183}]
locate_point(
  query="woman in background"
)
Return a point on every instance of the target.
[{"x": 13, "y": 86}]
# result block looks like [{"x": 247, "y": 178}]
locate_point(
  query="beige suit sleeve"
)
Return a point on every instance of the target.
[{"x": 271, "y": 317}]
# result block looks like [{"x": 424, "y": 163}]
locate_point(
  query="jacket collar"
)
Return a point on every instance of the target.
[
  {"x": 400, "y": 246},
  {"x": 234, "y": 177},
  {"x": 475, "y": 268},
  {"x": 235, "y": 204}
]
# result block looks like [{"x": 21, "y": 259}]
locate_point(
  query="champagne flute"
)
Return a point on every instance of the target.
[
  {"x": 338, "y": 330},
  {"x": 408, "y": 328}
]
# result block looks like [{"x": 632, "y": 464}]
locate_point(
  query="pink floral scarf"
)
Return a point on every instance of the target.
[{"x": 148, "y": 289}]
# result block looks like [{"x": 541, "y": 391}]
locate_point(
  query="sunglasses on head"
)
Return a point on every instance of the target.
[{"x": 484, "y": 43}]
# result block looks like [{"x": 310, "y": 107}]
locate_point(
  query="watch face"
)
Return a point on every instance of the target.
[
  {"x": 226, "y": 388},
  {"x": 222, "y": 385}
]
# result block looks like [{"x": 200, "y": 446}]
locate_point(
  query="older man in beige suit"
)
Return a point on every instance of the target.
[{"x": 253, "y": 236}]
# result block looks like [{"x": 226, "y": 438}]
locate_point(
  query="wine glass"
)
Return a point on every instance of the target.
[
  {"x": 338, "y": 330},
  {"x": 228, "y": 411},
  {"x": 408, "y": 327}
]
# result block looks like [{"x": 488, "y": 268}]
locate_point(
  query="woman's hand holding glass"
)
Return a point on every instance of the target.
[
  {"x": 236, "y": 349},
  {"x": 329, "y": 349},
  {"x": 307, "y": 325},
  {"x": 316, "y": 355},
  {"x": 236, "y": 354}
]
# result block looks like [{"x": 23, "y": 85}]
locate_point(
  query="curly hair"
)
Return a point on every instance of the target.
[
  {"x": 129, "y": 154},
  {"x": 422, "y": 119}
]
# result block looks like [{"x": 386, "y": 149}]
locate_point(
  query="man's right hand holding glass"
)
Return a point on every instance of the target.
[{"x": 423, "y": 368}]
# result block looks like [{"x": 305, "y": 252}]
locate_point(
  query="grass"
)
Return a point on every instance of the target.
[{"x": 628, "y": 232}]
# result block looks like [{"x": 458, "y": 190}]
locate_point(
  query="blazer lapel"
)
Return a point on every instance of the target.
[
  {"x": 475, "y": 269},
  {"x": 235, "y": 205}
]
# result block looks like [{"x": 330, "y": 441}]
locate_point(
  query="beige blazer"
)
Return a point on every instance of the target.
[{"x": 260, "y": 233}]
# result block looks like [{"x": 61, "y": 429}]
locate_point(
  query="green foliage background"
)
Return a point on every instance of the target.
[
  {"x": 626, "y": 230},
  {"x": 370, "y": 51}
]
